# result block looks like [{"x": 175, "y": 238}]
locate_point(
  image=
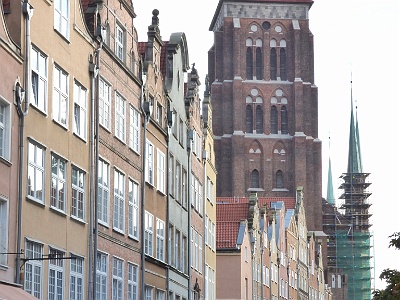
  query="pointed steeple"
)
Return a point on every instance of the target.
[
  {"x": 354, "y": 164},
  {"x": 330, "y": 197}
]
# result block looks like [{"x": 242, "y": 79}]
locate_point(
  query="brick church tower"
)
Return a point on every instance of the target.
[{"x": 265, "y": 102}]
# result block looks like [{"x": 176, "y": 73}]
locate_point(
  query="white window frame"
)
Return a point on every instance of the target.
[
  {"x": 148, "y": 292},
  {"x": 160, "y": 294},
  {"x": 56, "y": 271},
  {"x": 80, "y": 110},
  {"x": 134, "y": 129},
  {"x": 160, "y": 171},
  {"x": 103, "y": 192},
  {"x": 36, "y": 170},
  {"x": 178, "y": 186},
  {"x": 3, "y": 231},
  {"x": 78, "y": 186},
  {"x": 133, "y": 209},
  {"x": 149, "y": 163},
  {"x": 39, "y": 75},
  {"x": 33, "y": 277},
  {"x": 120, "y": 117},
  {"x": 177, "y": 251},
  {"x": 76, "y": 278},
  {"x": 60, "y": 96},
  {"x": 119, "y": 201},
  {"x": 104, "y": 104},
  {"x": 132, "y": 282},
  {"x": 120, "y": 42},
  {"x": 148, "y": 235},
  {"x": 61, "y": 17},
  {"x": 118, "y": 279},
  {"x": 5, "y": 129},
  {"x": 160, "y": 239},
  {"x": 58, "y": 183},
  {"x": 101, "y": 276}
]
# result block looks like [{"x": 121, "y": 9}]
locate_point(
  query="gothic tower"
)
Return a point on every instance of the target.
[
  {"x": 265, "y": 102},
  {"x": 353, "y": 243}
]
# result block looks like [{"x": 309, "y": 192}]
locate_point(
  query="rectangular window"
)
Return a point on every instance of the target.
[
  {"x": 101, "y": 276},
  {"x": 76, "y": 278},
  {"x": 120, "y": 117},
  {"x": 133, "y": 218},
  {"x": 33, "y": 269},
  {"x": 171, "y": 246},
  {"x": 160, "y": 171},
  {"x": 58, "y": 183},
  {"x": 119, "y": 200},
  {"x": 210, "y": 190},
  {"x": 103, "y": 191},
  {"x": 149, "y": 165},
  {"x": 178, "y": 183},
  {"x": 104, "y": 104},
  {"x": 178, "y": 249},
  {"x": 148, "y": 235},
  {"x": 174, "y": 127},
  {"x": 134, "y": 129},
  {"x": 132, "y": 282},
  {"x": 171, "y": 175},
  {"x": 184, "y": 189},
  {"x": 180, "y": 131},
  {"x": 160, "y": 295},
  {"x": 160, "y": 239},
  {"x": 159, "y": 116},
  {"x": 80, "y": 110},
  {"x": 148, "y": 293},
  {"x": 184, "y": 254},
  {"x": 36, "y": 172},
  {"x": 119, "y": 42},
  {"x": 78, "y": 193},
  {"x": 3, "y": 231},
  {"x": 60, "y": 96},
  {"x": 117, "y": 279},
  {"x": 39, "y": 79},
  {"x": 56, "y": 275},
  {"x": 5, "y": 129},
  {"x": 61, "y": 17}
]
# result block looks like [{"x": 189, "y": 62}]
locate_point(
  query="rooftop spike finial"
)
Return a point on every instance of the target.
[
  {"x": 330, "y": 197},
  {"x": 354, "y": 159}
]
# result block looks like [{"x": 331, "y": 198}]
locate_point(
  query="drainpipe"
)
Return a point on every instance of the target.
[
  {"x": 189, "y": 150},
  {"x": 204, "y": 158},
  {"x": 93, "y": 70},
  {"x": 169, "y": 124},
  {"x": 96, "y": 160},
  {"x": 146, "y": 109},
  {"x": 27, "y": 10}
]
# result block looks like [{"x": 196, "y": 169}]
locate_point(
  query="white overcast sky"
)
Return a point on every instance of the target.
[{"x": 350, "y": 36}]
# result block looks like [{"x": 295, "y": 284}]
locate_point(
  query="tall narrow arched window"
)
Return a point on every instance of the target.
[
  {"x": 255, "y": 179},
  {"x": 259, "y": 65},
  {"x": 272, "y": 64},
  {"x": 284, "y": 120},
  {"x": 279, "y": 179},
  {"x": 282, "y": 65},
  {"x": 259, "y": 119},
  {"x": 249, "y": 119},
  {"x": 249, "y": 63},
  {"x": 274, "y": 119}
]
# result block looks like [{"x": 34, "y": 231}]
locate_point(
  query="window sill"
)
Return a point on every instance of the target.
[
  {"x": 280, "y": 190},
  {"x": 78, "y": 220},
  {"x": 35, "y": 201},
  {"x": 5, "y": 161},
  {"x": 58, "y": 211}
]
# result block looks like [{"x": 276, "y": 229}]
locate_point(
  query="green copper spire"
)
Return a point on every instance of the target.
[
  {"x": 330, "y": 197},
  {"x": 354, "y": 164}
]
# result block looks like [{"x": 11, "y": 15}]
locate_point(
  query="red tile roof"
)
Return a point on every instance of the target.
[
  {"x": 232, "y": 211},
  {"x": 227, "y": 232}
]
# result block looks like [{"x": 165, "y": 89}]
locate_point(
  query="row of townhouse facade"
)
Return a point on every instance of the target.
[
  {"x": 265, "y": 251},
  {"x": 107, "y": 171}
]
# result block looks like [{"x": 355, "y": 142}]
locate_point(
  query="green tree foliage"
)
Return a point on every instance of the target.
[{"x": 392, "y": 277}]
